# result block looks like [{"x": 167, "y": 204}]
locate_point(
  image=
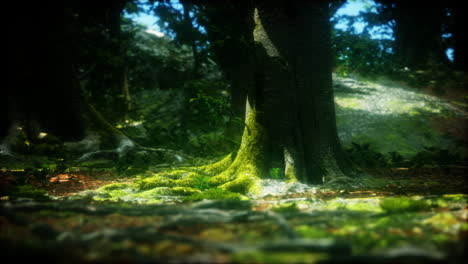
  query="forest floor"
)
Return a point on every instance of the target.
[
  {"x": 404, "y": 214},
  {"x": 412, "y": 217}
]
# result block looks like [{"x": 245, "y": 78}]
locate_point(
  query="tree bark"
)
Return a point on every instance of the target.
[{"x": 298, "y": 88}]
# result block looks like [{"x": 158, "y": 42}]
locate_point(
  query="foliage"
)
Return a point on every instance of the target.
[
  {"x": 276, "y": 173},
  {"x": 359, "y": 53},
  {"x": 286, "y": 208},
  {"x": 201, "y": 182},
  {"x": 432, "y": 156},
  {"x": 366, "y": 157}
]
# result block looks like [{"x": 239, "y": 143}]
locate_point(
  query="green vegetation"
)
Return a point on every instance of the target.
[
  {"x": 215, "y": 194},
  {"x": 278, "y": 257}
]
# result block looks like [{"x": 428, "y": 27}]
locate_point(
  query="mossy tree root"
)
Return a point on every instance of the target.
[{"x": 236, "y": 172}]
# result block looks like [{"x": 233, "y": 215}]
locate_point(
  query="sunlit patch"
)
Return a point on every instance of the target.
[
  {"x": 350, "y": 102},
  {"x": 42, "y": 135},
  {"x": 390, "y": 117},
  {"x": 154, "y": 32},
  {"x": 384, "y": 100},
  {"x": 59, "y": 178}
]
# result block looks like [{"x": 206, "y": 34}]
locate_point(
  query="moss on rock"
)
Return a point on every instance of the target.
[
  {"x": 215, "y": 194},
  {"x": 185, "y": 191},
  {"x": 154, "y": 182},
  {"x": 152, "y": 194},
  {"x": 114, "y": 186}
]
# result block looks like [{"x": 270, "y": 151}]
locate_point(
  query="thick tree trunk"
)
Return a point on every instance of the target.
[
  {"x": 323, "y": 154},
  {"x": 276, "y": 80},
  {"x": 298, "y": 88}
]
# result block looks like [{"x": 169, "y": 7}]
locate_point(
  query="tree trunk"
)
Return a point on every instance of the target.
[
  {"x": 299, "y": 100},
  {"x": 290, "y": 115}
]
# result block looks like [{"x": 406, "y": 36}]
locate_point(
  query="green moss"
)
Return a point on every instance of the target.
[
  {"x": 243, "y": 174},
  {"x": 191, "y": 179},
  {"x": 290, "y": 173},
  {"x": 456, "y": 197},
  {"x": 215, "y": 194},
  {"x": 360, "y": 204},
  {"x": 153, "y": 182},
  {"x": 175, "y": 174},
  {"x": 245, "y": 184},
  {"x": 220, "y": 179},
  {"x": 117, "y": 193},
  {"x": 355, "y": 204},
  {"x": 185, "y": 191},
  {"x": 286, "y": 208},
  {"x": 278, "y": 257},
  {"x": 114, "y": 186},
  {"x": 29, "y": 191},
  {"x": 153, "y": 193},
  {"x": 218, "y": 167},
  {"x": 311, "y": 232},
  {"x": 442, "y": 221},
  {"x": 403, "y": 204},
  {"x": 352, "y": 103}
]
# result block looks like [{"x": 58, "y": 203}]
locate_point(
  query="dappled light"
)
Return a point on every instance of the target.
[
  {"x": 392, "y": 118},
  {"x": 235, "y": 132}
]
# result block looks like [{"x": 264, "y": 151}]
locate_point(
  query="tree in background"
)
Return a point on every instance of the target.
[
  {"x": 45, "y": 93},
  {"x": 41, "y": 93}
]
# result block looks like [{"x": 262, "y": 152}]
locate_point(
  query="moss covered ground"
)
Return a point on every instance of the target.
[{"x": 291, "y": 225}]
